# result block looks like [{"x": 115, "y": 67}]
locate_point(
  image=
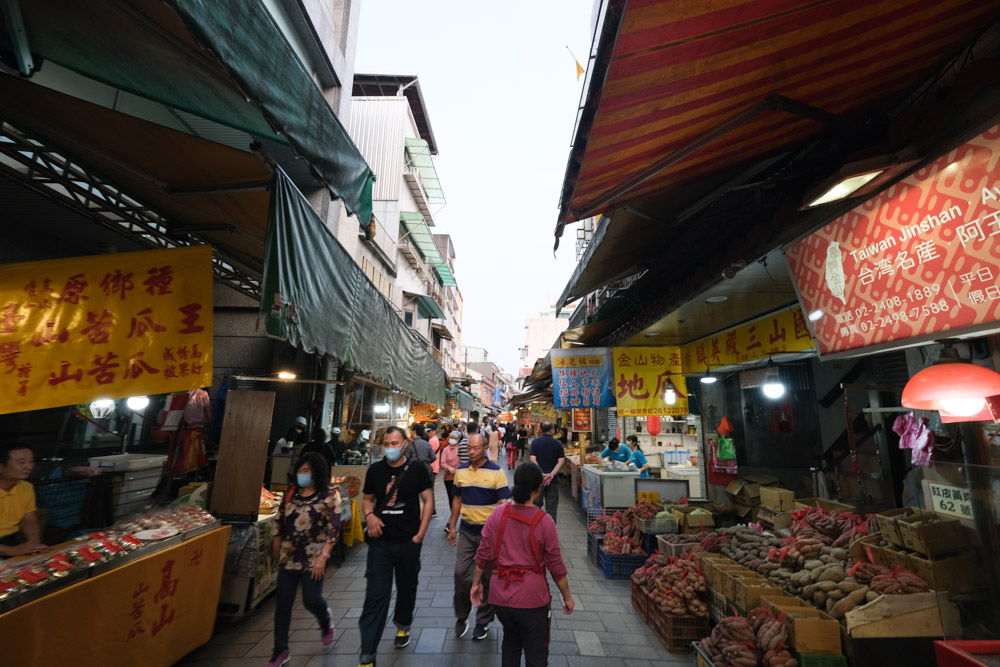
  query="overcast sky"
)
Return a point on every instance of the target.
[{"x": 501, "y": 93}]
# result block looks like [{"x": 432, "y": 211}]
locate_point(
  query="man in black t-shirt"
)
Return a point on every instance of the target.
[
  {"x": 396, "y": 524},
  {"x": 549, "y": 454}
]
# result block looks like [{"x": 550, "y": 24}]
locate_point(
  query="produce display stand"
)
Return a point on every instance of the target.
[{"x": 150, "y": 611}]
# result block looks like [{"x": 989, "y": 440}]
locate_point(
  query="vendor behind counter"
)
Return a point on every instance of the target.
[
  {"x": 20, "y": 529},
  {"x": 615, "y": 451}
]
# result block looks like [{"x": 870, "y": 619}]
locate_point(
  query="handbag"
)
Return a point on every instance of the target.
[
  {"x": 379, "y": 506},
  {"x": 727, "y": 450}
]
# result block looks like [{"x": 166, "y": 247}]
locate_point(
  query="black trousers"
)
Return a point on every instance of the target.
[
  {"x": 449, "y": 486},
  {"x": 386, "y": 559},
  {"x": 527, "y": 631}
]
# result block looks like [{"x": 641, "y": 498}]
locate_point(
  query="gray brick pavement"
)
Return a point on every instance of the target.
[{"x": 604, "y": 631}]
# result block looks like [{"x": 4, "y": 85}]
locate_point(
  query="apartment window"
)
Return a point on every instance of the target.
[{"x": 408, "y": 318}]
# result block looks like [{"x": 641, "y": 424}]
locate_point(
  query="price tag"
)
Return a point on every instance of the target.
[
  {"x": 951, "y": 500},
  {"x": 651, "y": 496}
]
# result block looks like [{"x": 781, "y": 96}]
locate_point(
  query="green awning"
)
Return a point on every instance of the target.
[
  {"x": 421, "y": 236},
  {"x": 418, "y": 156},
  {"x": 224, "y": 61},
  {"x": 314, "y": 295},
  {"x": 446, "y": 276},
  {"x": 427, "y": 308}
]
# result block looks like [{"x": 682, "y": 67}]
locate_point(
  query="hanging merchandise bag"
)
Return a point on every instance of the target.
[
  {"x": 727, "y": 450},
  {"x": 725, "y": 428}
]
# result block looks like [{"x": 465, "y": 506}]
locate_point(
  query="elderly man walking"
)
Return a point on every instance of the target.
[{"x": 480, "y": 486}]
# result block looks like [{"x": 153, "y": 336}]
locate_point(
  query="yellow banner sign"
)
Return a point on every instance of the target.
[
  {"x": 643, "y": 376},
  {"x": 783, "y": 332},
  {"x": 108, "y": 326}
]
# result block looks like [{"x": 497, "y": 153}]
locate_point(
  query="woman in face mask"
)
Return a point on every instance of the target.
[
  {"x": 449, "y": 464},
  {"x": 306, "y": 529}
]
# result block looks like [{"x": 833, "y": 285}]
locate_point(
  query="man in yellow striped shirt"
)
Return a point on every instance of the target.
[{"x": 480, "y": 486}]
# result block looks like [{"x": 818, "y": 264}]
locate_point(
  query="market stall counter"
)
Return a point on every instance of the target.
[
  {"x": 604, "y": 487},
  {"x": 115, "y": 598}
]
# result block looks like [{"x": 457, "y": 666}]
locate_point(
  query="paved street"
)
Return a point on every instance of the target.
[{"x": 604, "y": 631}]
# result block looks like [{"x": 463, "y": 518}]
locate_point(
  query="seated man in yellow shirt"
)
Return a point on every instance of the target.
[{"x": 17, "y": 503}]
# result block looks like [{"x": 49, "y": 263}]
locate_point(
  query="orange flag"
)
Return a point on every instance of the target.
[{"x": 579, "y": 69}]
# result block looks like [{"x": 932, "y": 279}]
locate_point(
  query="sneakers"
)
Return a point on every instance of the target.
[
  {"x": 402, "y": 639},
  {"x": 366, "y": 664},
  {"x": 461, "y": 627},
  {"x": 480, "y": 632},
  {"x": 279, "y": 659},
  {"x": 330, "y": 629}
]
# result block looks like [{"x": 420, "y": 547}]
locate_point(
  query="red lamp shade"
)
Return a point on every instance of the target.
[
  {"x": 954, "y": 388},
  {"x": 653, "y": 425}
]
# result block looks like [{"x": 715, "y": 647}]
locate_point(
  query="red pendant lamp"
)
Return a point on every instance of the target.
[
  {"x": 653, "y": 425},
  {"x": 956, "y": 388}
]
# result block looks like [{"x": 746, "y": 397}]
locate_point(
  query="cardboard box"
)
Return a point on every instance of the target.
[
  {"x": 747, "y": 592},
  {"x": 736, "y": 579},
  {"x": 887, "y": 524},
  {"x": 958, "y": 574},
  {"x": 895, "y": 557},
  {"x": 918, "y": 615},
  {"x": 944, "y": 535},
  {"x": 746, "y": 512},
  {"x": 806, "y": 503},
  {"x": 810, "y": 630},
  {"x": 692, "y": 519},
  {"x": 867, "y": 550},
  {"x": 777, "y": 499},
  {"x": 770, "y": 602},
  {"x": 720, "y": 574},
  {"x": 746, "y": 490}
]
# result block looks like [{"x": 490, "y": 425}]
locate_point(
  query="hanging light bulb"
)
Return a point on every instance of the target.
[
  {"x": 708, "y": 378},
  {"x": 773, "y": 387},
  {"x": 670, "y": 396},
  {"x": 951, "y": 385},
  {"x": 137, "y": 403},
  {"x": 102, "y": 408}
]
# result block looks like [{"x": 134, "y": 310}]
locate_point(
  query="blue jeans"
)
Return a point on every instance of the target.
[
  {"x": 312, "y": 599},
  {"x": 386, "y": 559}
]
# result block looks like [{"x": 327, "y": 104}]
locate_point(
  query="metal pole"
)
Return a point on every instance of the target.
[{"x": 975, "y": 452}]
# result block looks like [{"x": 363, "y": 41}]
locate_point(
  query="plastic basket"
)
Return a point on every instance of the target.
[
  {"x": 821, "y": 660},
  {"x": 640, "y": 601},
  {"x": 594, "y": 547},
  {"x": 677, "y": 632},
  {"x": 666, "y": 524},
  {"x": 718, "y": 606},
  {"x": 619, "y": 566},
  {"x": 671, "y": 549},
  {"x": 703, "y": 660}
]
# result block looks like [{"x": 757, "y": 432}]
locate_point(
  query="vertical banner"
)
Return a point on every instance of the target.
[
  {"x": 642, "y": 377},
  {"x": 581, "y": 419},
  {"x": 581, "y": 378},
  {"x": 107, "y": 326}
]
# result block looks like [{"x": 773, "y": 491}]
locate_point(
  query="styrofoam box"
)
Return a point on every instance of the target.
[{"x": 118, "y": 462}]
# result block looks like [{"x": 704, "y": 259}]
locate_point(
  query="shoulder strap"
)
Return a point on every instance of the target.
[
  {"x": 534, "y": 521},
  {"x": 380, "y": 505}
]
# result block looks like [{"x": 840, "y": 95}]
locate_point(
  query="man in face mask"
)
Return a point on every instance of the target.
[
  {"x": 397, "y": 510},
  {"x": 358, "y": 446}
]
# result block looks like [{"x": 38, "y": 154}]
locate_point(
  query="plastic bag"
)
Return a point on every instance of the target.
[
  {"x": 727, "y": 450},
  {"x": 725, "y": 428}
]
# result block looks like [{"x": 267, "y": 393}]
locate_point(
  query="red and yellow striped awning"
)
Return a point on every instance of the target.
[{"x": 681, "y": 69}]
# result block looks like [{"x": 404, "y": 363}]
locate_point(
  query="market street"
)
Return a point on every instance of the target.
[{"x": 603, "y": 631}]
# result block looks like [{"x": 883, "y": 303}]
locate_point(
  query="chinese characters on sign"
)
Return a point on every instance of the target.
[
  {"x": 919, "y": 258},
  {"x": 951, "y": 500},
  {"x": 111, "y": 326},
  {"x": 581, "y": 419},
  {"x": 581, "y": 378},
  {"x": 642, "y": 377},
  {"x": 782, "y": 332}
]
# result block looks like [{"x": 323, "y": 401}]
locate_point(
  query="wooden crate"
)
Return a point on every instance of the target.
[
  {"x": 918, "y": 615},
  {"x": 944, "y": 535}
]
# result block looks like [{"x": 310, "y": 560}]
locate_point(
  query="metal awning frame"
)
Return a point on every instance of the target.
[{"x": 61, "y": 179}]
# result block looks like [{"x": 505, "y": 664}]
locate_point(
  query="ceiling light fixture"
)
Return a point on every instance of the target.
[
  {"x": 952, "y": 386},
  {"x": 286, "y": 375},
  {"x": 137, "y": 403},
  {"x": 864, "y": 177},
  {"x": 845, "y": 187},
  {"x": 708, "y": 378},
  {"x": 651, "y": 334},
  {"x": 719, "y": 298},
  {"x": 102, "y": 408}
]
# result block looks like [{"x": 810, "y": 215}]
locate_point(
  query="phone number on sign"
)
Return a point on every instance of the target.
[{"x": 905, "y": 314}]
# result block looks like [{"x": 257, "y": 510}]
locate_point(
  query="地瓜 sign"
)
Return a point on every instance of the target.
[
  {"x": 108, "y": 326},
  {"x": 642, "y": 377}
]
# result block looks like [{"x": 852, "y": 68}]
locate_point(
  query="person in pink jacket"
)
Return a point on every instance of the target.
[
  {"x": 449, "y": 464},
  {"x": 521, "y": 541}
]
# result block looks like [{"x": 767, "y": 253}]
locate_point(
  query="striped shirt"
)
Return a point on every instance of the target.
[
  {"x": 463, "y": 450},
  {"x": 481, "y": 491}
]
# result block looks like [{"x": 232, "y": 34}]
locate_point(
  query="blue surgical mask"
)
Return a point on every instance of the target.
[
  {"x": 304, "y": 479},
  {"x": 393, "y": 453}
]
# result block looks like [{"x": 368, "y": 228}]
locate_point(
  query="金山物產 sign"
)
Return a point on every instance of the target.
[
  {"x": 642, "y": 377},
  {"x": 581, "y": 378},
  {"x": 921, "y": 257},
  {"x": 109, "y": 326}
]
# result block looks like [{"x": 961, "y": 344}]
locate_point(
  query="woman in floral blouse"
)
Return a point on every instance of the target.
[{"x": 305, "y": 532}]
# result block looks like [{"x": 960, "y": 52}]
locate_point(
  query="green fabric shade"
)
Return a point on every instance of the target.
[
  {"x": 314, "y": 295},
  {"x": 244, "y": 75},
  {"x": 445, "y": 275},
  {"x": 418, "y": 156},
  {"x": 421, "y": 236},
  {"x": 427, "y": 308}
]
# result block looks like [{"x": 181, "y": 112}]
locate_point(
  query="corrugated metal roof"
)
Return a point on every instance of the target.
[{"x": 377, "y": 128}]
